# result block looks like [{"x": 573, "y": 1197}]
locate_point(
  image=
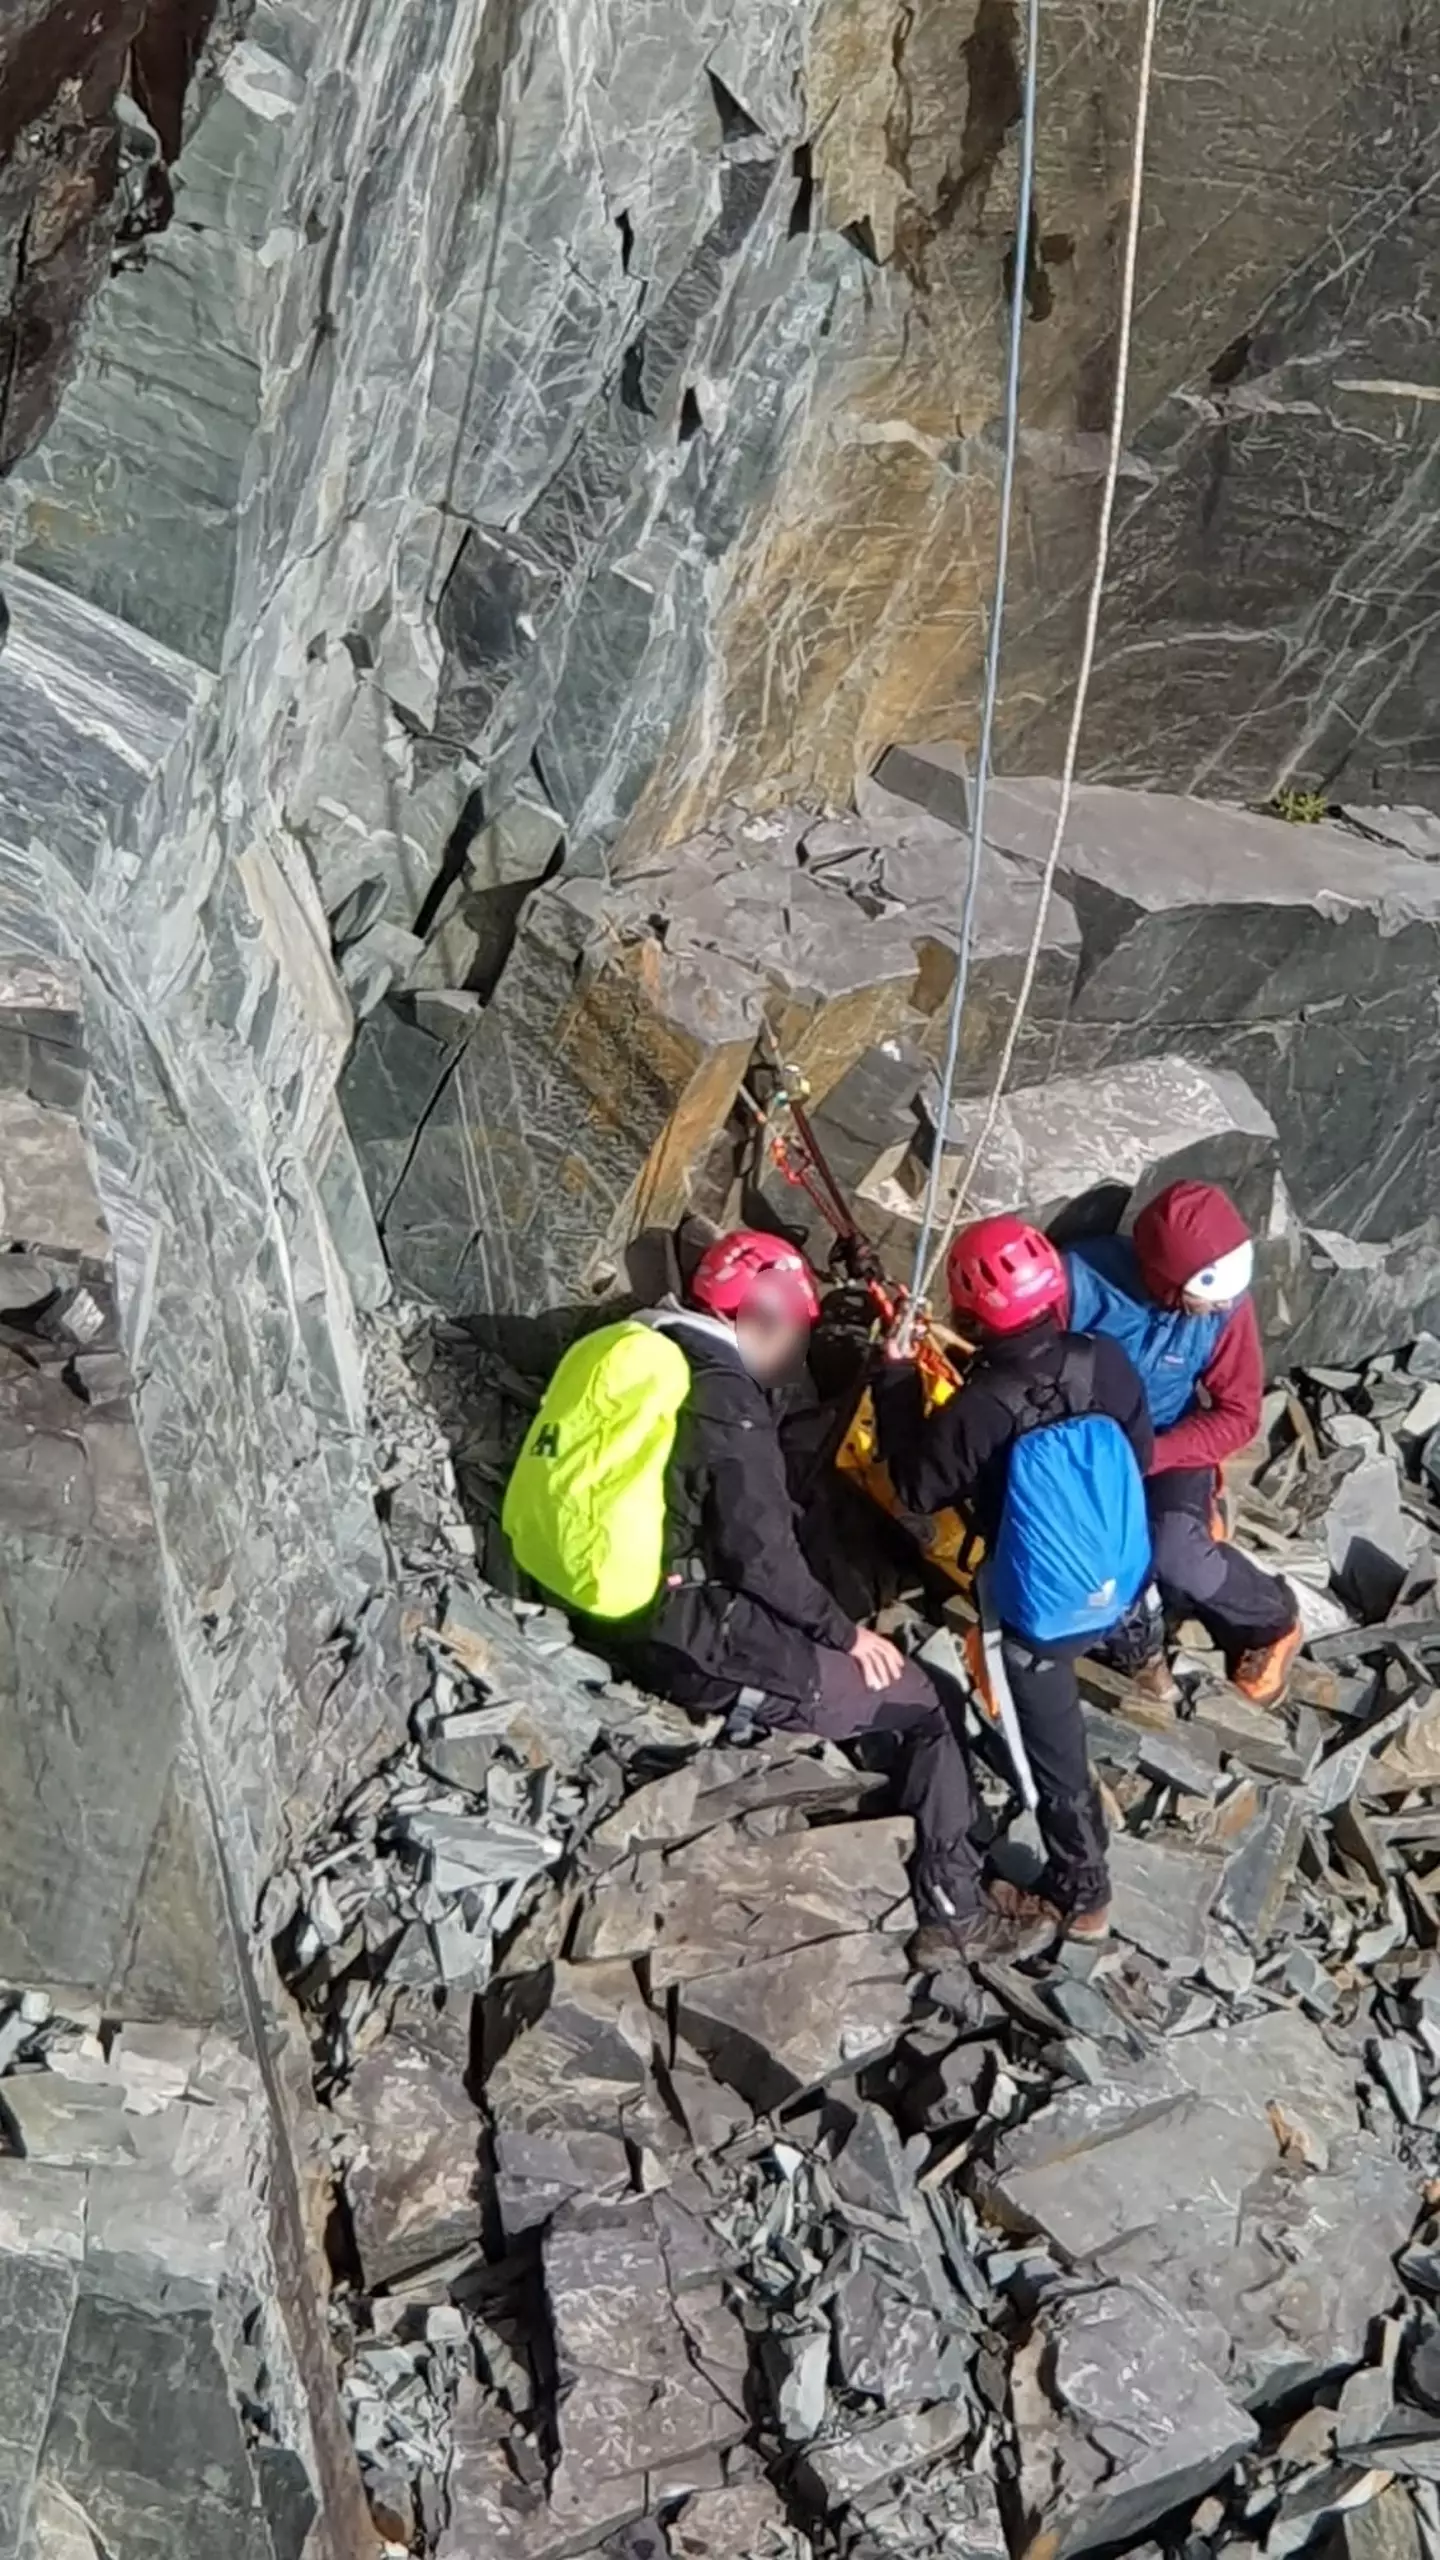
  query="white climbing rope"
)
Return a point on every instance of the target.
[
  {"x": 926, "y": 1269},
  {"x": 1023, "y": 216}
]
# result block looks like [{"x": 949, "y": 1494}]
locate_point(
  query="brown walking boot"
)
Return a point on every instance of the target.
[
  {"x": 988, "y": 1935},
  {"x": 1092, "y": 1928}
]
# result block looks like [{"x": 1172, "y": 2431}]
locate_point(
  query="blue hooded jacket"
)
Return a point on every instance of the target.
[{"x": 1170, "y": 1349}]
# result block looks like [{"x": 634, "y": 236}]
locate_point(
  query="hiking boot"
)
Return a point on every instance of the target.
[
  {"x": 977, "y": 1937},
  {"x": 1154, "y": 1682},
  {"x": 1024, "y": 1902},
  {"x": 1090, "y": 1927},
  {"x": 1263, "y": 1674}
]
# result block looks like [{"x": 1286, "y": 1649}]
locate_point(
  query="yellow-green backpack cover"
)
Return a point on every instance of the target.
[{"x": 584, "y": 1510}]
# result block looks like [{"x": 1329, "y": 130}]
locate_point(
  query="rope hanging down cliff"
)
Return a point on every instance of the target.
[
  {"x": 992, "y": 644},
  {"x": 927, "y": 1261}
]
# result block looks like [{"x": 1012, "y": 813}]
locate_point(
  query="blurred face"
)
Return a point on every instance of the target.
[
  {"x": 771, "y": 1344},
  {"x": 1194, "y": 1306}
]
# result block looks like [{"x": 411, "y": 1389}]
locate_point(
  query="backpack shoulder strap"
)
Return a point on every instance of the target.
[
  {"x": 1015, "y": 1396},
  {"x": 1077, "y": 1378},
  {"x": 1030, "y": 1402}
]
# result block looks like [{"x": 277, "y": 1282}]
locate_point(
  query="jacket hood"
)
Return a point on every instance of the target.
[
  {"x": 1180, "y": 1231},
  {"x": 670, "y": 1317}
]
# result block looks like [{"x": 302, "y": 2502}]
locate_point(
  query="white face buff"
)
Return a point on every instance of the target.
[{"x": 1222, "y": 1282}]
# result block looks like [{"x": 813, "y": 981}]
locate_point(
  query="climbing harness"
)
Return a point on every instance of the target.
[
  {"x": 950, "y": 1546},
  {"x": 800, "y": 1159}
]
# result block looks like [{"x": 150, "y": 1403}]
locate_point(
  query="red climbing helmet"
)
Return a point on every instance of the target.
[
  {"x": 1004, "y": 1274},
  {"x": 748, "y": 1269}
]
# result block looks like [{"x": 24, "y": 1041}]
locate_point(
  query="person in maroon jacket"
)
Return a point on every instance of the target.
[{"x": 1176, "y": 1296}]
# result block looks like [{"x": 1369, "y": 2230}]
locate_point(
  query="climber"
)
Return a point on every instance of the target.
[
  {"x": 1043, "y": 1449},
  {"x": 1177, "y": 1299},
  {"x": 732, "y": 1615}
]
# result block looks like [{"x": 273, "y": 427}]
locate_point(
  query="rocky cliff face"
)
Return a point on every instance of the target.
[
  {"x": 453, "y": 452},
  {"x": 617, "y": 390}
]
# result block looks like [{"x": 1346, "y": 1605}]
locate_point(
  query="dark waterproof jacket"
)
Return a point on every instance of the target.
[
  {"x": 745, "y": 1611},
  {"x": 958, "y": 1457}
]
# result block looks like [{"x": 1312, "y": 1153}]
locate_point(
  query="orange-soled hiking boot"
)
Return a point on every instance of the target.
[
  {"x": 1263, "y": 1674},
  {"x": 1089, "y": 1928}
]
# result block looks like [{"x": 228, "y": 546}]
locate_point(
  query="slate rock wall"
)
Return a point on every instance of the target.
[
  {"x": 80, "y": 180},
  {"x": 597, "y": 407},
  {"x": 198, "y": 1648}
]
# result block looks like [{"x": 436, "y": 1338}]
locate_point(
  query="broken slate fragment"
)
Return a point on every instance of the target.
[
  {"x": 1119, "y": 2419},
  {"x": 787, "y": 2023},
  {"x": 1161, "y": 1898},
  {"x": 1227, "y": 2172},
  {"x": 850, "y": 2471},
  {"x": 713, "y": 1902},
  {"x": 739, "y": 2523},
  {"x": 648, "y": 2379},
  {"x": 1370, "y": 1539},
  {"x": 464, "y": 1850},
  {"x": 1259, "y": 1872},
  {"x": 411, "y": 2182}
]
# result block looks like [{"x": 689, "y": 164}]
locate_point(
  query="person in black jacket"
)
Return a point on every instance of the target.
[
  {"x": 741, "y": 1611},
  {"x": 1008, "y": 1285}
]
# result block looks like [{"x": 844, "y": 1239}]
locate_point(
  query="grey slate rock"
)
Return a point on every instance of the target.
[
  {"x": 1119, "y": 2418},
  {"x": 1422, "y": 2366},
  {"x": 37, "y": 2297},
  {"x": 412, "y": 2181},
  {"x": 112, "y": 2445},
  {"x": 783, "y": 2024},
  {"x": 1161, "y": 1898},
  {"x": 1384, "y": 2528},
  {"x": 708, "y": 1903},
  {"x": 650, "y": 2378},
  {"x": 1085, "y": 1153},
  {"x": 1369, "y": 1537},
  {"x": 903, "y": 866},
  {"x": 587, "y": 1101},
  {"x": 853, "y": 2470},
  {"x": 727, "y": 2524},
  {"x": 1258, "y": 1872},
  {"x": 78, "y": 760},
  {"x": 1189, "y": 2172},
  {"x": 887, "y": 2349},
  {"x": 1246, "y": 929}
]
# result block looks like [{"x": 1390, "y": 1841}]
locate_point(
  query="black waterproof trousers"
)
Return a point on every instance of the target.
[
  {"x": 805, "y": 1687},
  {"x": 1240, "y": 1606},
  {"x": 932, "y": 1776},
  {"x": 1070, "y": 1814}
]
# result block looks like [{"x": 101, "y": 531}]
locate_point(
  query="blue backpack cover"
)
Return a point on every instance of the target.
[{"x": 1073, "y": 1552}]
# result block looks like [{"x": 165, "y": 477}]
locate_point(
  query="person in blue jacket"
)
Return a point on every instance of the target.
[{"x": 1176, "y": 1297}]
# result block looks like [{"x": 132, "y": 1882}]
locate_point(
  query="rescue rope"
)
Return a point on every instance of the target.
[
  {"x": 990, "y": 695},
  {"x": 925, "y": 1270}
]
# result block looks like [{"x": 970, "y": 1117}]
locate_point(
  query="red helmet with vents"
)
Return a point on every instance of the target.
[
  {"x": 748, "y": 1269},
  {"x": 1003, "y": 1274}
]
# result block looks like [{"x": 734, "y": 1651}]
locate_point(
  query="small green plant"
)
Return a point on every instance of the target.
[{"x": 1298, "y": 808}]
